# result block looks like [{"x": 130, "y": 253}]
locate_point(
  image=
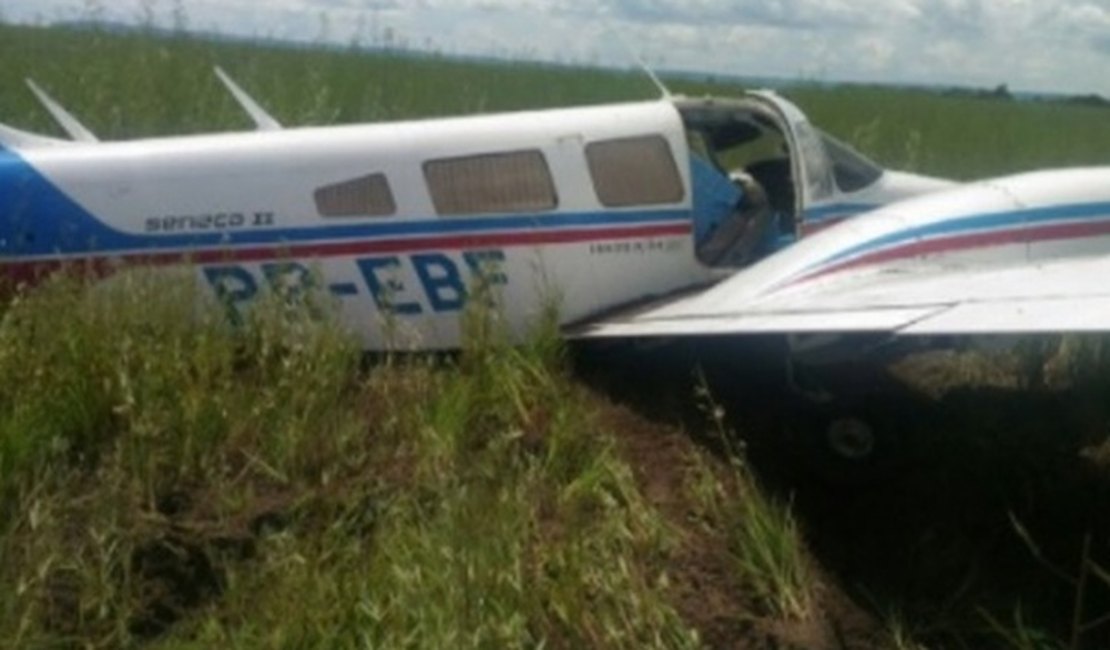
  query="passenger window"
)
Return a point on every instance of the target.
[
  {"x": 518, "y": 181},
  {"x": 366, "y": 196},
  {"x": 634, "y": 171}
]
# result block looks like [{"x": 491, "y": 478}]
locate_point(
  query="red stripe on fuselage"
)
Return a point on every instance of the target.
[
  {"x": 1074, "y": 230},
  {"x": 33, "y": 270},
  {"x": 939, "y": 245}
]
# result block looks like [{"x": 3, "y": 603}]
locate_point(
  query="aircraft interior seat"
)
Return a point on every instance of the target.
[{"x": 774, "y": 176}]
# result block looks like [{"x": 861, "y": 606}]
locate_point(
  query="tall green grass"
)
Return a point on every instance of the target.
[
  {"x": 761, "y": 532},
  {"x": 960, "y": 136},
  {"x": 129, "y": 86},
  {"x": 171, "y": 478}
]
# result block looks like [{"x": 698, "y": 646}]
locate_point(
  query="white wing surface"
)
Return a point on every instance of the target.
[{"x": 1057, "y": 296}]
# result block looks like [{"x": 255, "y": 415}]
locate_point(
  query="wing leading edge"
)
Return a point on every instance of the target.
[{"x": 1056, "y": 296}]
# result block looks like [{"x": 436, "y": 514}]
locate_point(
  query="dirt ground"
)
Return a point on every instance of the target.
[{"x": 707, "y": 590}]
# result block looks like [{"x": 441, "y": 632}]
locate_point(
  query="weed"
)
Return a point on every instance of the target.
[
  {"x": 900, "y": 634},
  {"x": 762, "y": 533},
  {"x": 1089, "y": 571},
  {"x": 1019, "y": 635}
]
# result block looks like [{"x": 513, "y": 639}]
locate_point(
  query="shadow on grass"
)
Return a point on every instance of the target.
[{"x": 973, "y": 537}]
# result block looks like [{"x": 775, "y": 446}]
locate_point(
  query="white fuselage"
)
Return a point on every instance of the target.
[{"x": 245, "y": 208}]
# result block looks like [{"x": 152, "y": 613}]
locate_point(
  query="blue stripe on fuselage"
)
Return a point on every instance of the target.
[
  {"x": 34, "y": 215},
  {"x": 37, "y": 218},
  {"x": 981, "y": 222},
  {"x": 821, "y": 213}
]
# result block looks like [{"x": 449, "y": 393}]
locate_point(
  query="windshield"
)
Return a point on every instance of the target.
[{"x": 851, "y": 170}]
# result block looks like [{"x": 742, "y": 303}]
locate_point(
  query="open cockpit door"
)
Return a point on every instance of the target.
[
  {"x": 788, "y": 178},
  {"x": 836, "y": 182},
  {"x": 744, "y": 166}
]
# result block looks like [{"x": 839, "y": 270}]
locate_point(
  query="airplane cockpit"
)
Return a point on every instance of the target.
[
  {"x": 763, "y": 176},
  {"x": 743, "y": 179}
]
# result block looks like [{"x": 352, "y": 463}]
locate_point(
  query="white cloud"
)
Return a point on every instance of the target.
[{"x": 1056, "y": 45}]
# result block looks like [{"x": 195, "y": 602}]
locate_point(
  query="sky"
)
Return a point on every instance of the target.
[{"x": 1030, "y": 45}]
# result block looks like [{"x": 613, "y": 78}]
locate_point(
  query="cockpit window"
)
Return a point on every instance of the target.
[{"x": 852, "y": 171}]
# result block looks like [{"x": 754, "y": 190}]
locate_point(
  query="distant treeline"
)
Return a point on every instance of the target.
[{"x": 1002, "y": 91}]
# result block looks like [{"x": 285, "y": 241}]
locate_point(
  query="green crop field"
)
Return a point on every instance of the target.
[
  {"x": 133, "y": 86},
  {"x": 170, "y": 481}
]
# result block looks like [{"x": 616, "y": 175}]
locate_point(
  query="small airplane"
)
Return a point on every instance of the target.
[
  {"x": 597, "y": 207},
  {"x": 674, "y": 218}
]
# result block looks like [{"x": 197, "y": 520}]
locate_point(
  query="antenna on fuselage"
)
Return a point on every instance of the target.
[
  {"x": 64, "y": 118},
  {"x": 664, "y": 91},
  {"x": 262, "y": 120}
]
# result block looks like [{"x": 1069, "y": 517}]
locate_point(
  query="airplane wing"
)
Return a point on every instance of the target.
[{"x": 1062, "y": 295}]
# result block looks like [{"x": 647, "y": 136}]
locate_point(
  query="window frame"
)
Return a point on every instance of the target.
[
  {"x": 321, "y": 193},
  {"x": 618, "y": 196},
  {"x": 453, "y": 201}
]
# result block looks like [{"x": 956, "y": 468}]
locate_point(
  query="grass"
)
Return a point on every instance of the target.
[
  {"x": 764, "y": 541},
  {"x": 763, "y": 536},
  {"x": 960, "y": 137},
  {"x": 169, "y": 88},
  {"x": 1020, "y": 635},
  {"x": 174, "y": 480}
]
